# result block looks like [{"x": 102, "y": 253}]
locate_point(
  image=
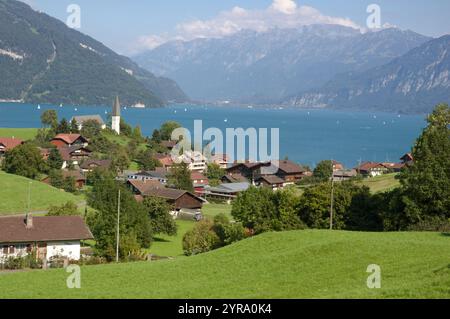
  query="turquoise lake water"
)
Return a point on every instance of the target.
[{"x": 306, "y": 136}]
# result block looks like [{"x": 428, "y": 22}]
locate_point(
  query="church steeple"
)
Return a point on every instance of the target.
[
  {"x": 115, "y": 118},
  {"x": 116, "y": 107}
]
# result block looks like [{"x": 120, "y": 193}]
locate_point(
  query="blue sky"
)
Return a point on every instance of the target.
[{"x": 132, "y": 26}]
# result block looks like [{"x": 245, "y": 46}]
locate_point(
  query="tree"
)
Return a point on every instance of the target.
[
  {"x": 56, "y": 178},
  {"x": 120, "y": 161},
  {"x": 323, "y": 171},
  {"x": 146, "y": 161},
  {"x": 156, "y": 136},
  {"x": 74, "y": 128},
  {"x": 263, "y": 210},
  {"x": 167, "y": 128},
  {"x": 214, "y": 173},
  {"x": 227, "y": 232},
  {"x": 200, "y": 239},
  {"x": 137, "y": 134},
  {"x": 180, "y": 177},
  {"x": 135, "y": 226},
  {"x": 161, "y": 220},
  {"x": 49, "y": 119},
  {"x": 426, "y": 183},
  {"x": 69, "y": 184},
  {"x": 67, "y": 209},
  {"x": 54, "y": 160},
  {"x": 125, "y": 128},
  {"x": 91, "y": 128},
  {"x": 63, "y": 127},
  {"x": 43, "y": 137},
  {"x": 25, "y": 160}
]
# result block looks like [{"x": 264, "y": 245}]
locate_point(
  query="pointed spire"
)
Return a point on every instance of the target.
[{"x": 116, "y": 107}]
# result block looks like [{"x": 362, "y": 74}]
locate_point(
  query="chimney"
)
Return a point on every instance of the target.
[{"x": 29, "y": 221}]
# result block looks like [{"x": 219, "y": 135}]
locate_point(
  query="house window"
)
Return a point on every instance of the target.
[
  {"x": 5, "y": 250},
  {"x": 12, "y": 249},
  {"x": 29, "y": 248}
]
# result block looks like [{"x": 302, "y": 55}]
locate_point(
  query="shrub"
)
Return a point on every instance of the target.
[{"x": 200, "y": 239}]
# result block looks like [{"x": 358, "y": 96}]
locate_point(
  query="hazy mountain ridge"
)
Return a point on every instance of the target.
[
  {"x": 412, "y": 83},
  {"x": 44, "y": 61},
  {"x": 269, "y": 67}
]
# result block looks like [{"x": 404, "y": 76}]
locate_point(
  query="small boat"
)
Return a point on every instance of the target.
[
  {"x": 61, "y": 105},
  {"x": 76, "y": 110},
  {"x": 39, "y": 107},
  {"x": 185, "y": 109},
  {"x": 225, "y": 120}
]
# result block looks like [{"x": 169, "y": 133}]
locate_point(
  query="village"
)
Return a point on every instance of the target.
[{"x": 213, "y": 180}]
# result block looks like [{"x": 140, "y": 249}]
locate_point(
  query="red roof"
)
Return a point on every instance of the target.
[
  {"x": 10, "y": 143},
  {"x": 68, "y": 138}
]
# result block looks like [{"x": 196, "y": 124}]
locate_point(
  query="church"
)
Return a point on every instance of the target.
[{"x": 115, "y": 118}]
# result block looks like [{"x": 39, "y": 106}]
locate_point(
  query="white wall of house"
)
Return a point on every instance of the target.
[{"x": 69, "y": 249}]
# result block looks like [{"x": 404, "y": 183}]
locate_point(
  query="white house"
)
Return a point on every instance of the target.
[
  {"x": 195, "y": 160},
  {"x": 48, "y": 237}
]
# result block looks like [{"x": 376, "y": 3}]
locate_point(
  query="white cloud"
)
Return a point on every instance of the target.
[{"x": 280, "y": 14}]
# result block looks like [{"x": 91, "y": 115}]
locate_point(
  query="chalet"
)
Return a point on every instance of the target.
[
  {"x": 169, "y": 144},
  {"x": 182, "y": 202},
  {"x": 221, "y": 160},
  {"x": 74, "y": 155},
  {"x": 199, "y": 181},
  {"x": 80, "y": 120},
  {"x": 7, "y": 144},
  {"x": 165, "y": 160},
  {"x": 92, "y": 164},
  {"x": 77, "y": 175},
  {"x": 344, "y": 175},
  {"x": 290, "y": 172},
  {"x": 67, "y": 140},
  {"x": 141, "y": 187},
  {"x": 407, "y": 159},
  {"x": 235, "y": 178},
  {"x": 250, "y": 171},
  {"x": 337, "y": 166},
  {"x": 371, "y": 169},
  {"x": 195, "y": 160},
  {"x": 394, "y": 167},
  {"x": 159, "y": 174},
  {"x": 272, "y": 181},
  {"x": 47, "y": 237},
  {"x": 226, "y": 191}
]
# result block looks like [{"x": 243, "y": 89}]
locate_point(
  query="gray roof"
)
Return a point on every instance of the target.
[
  {"x": 83, "y": 118},
  {"x": 230, "y": 188},
  {"x": 116, "y": 107}
]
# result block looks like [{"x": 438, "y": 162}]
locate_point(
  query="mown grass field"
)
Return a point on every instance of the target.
[
  {"x": 381, "y": 183},
  {"x": 297, "y": 264},
  {"x": 14, "y": 195},
  {"x": 171, "y": 246},
  {"x": 22, "y": 133}
]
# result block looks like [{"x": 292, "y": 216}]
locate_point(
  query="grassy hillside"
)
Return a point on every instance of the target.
[
  {"x": 381, "y": 183},
  {"x": 22, "y": 133},
  {"x": 297, "y": 264},
  {"x": 14, "y": 194}
]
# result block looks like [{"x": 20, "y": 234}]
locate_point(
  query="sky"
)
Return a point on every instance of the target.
[{"x": 131, "y": 27}]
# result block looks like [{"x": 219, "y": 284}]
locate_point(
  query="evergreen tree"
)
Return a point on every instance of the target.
[
  {"x": 74, "y": 127},
  {"x": 55, "y": 160},
  {"x": 63, "y": 127},
  {"x": 49, "y": 119}
]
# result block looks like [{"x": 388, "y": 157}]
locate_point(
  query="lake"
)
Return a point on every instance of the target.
[{"x": 306, "y": 136}]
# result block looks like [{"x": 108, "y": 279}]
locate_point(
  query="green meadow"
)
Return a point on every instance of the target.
[
  {"x": 381, "y": 183},
  {"x": 296, "y": 264},
  {"x": 22, "y": 133},
  {"x": 14, "y": 195}
]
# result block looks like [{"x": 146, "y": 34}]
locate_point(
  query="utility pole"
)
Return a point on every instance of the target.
[{"x": 118, "y": 228}]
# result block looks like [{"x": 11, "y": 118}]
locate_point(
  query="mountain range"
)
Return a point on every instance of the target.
[
  {"x": 268, "y": 67},
  {"x": 412, "y": 83},
  {"x": 44, "y": 61}
]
